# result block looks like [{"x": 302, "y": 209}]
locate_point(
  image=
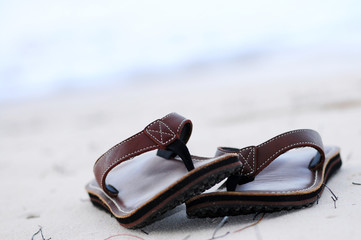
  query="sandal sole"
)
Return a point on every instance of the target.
[
  {"x": 189, "y": 187},
  {"x": 235, "y": 205}
]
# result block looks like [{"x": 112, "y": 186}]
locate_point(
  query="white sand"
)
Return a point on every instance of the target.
[{"x": 48, "y": 147}]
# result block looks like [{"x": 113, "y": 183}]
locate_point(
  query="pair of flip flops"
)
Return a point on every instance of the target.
[{"x": 278, "y": 174}]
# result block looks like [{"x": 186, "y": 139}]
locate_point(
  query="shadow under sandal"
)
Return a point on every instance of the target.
[
  {"x": 136, "y": 192},
  {"x": 272, "y": 178}
]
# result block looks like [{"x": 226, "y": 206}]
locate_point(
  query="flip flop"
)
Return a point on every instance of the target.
[
  {"x": 136, "y": 192},
  {"x": 272, "y": 178}
]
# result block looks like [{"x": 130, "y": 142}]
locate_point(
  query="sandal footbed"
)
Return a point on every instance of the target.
[
  {"x": 254, "y": 198},
  {"x": 207, "y": 173}
]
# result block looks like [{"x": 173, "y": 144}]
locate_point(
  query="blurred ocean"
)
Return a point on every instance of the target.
[{"x": 50, "y": 45}]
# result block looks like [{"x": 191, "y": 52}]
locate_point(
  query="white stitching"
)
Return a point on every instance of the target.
[
  {"x": 160, "y": 131},
  {"x": 119, "y": 159},
  {"x": 111, "y": 149},
  {"x": 161, "y": 141},
  {"x": 291, "y": 145},
  {"x": 165, "y": 133},
  {"x": 246, "y": 160},
  {"x": 146, "y": 148},
  {"x": 181, "y": 125},
  {"x": 126, "y": 140},
  {"x": 253, "y": 157},
  {"x": 282, "y": 135},
  {"x": 167, "y": 115},
  {"x": 119, "y": 208},
  {"x": 130, "y": 138}
]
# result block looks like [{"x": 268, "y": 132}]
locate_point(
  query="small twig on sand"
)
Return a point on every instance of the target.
[
  {"x": 334, "y": 200},
  {"x": 251, "y": 225},
  {"x": 333, "y": 197},
  {"x": 41, "y": 232},
  {"x": 144, "y": 232},
  {"x": 219, "y": 226},
  {"x": 188, "y": 236},
  {"x": 356, "y": 183},
  {"x": 256, "y": 215},
  {"x": 318, "y": 197},
  {"x": 125, "y": 235}
]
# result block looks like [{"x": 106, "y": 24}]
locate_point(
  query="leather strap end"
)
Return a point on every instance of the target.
[{"x": 316, "y": 161}]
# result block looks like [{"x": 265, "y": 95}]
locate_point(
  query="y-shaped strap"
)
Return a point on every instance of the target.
[
  {"x": 172, "y": 131},
  {"x": 256, "y": 158}
]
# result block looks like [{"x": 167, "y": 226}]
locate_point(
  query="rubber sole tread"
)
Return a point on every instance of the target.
[
  {"x": 178, "y": 200},
  {"x": 216, "y": 211},
  {"x": 221, "y": 210}
]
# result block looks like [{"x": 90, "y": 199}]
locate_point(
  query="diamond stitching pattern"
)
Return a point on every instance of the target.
[
  {"x": 160, "y": 132},
  {"x": 248, "y": 162}
]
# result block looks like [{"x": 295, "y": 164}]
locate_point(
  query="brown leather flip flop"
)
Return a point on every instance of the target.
[
  {"x": 272, "y": 178},
  {"x": 136, "y": 192}
]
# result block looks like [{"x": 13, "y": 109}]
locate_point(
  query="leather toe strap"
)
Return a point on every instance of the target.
[
  {"x": 173, "y": 128},
  {"x": 256, "y": 158}
]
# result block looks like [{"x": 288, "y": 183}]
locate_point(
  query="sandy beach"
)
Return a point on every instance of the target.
[{"x": 48, "y": 146}]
